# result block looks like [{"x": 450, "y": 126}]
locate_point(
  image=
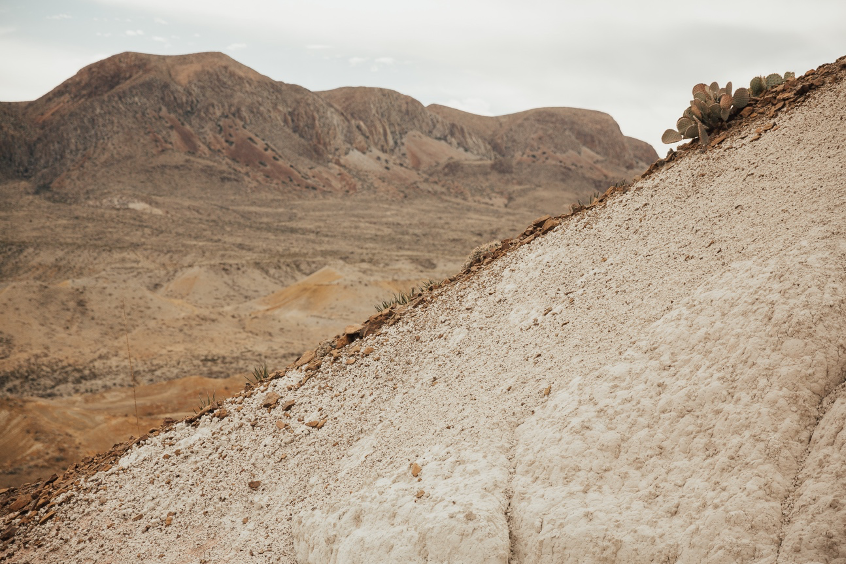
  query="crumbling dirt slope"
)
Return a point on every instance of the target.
[{"x": 656, "y": 379}]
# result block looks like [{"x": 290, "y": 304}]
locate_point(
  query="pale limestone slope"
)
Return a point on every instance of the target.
[{"x": 691, "y": 334}]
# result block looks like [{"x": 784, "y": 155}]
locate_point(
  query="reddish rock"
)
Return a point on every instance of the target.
[{"x": 270, "y": 399}]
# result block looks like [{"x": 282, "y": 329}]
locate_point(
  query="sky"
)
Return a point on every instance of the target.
[{"x": 635, "y": 60}]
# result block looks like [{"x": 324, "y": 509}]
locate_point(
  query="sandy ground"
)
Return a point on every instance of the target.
[{"x": 658, "y": 379}]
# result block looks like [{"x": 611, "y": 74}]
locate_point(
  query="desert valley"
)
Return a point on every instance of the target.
[{"x": 235, "y": 221}]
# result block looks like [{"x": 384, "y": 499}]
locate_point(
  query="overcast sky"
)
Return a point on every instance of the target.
[{"x": 636, "y": 60}]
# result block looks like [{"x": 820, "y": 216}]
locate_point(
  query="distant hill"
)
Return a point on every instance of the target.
[{"x": 212, "y": 125}]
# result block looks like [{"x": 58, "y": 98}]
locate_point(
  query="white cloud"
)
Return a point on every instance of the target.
[
  {"x": 134, "y": 33},
  {"x": 59, "y": 17},
  {"x": 385, "y": 60},
  {"x": 160, "y": 21},
  {"x": 159, "y": 39},
  {"x": 99, "y": 34},
  {"x": 357, "y": 60},
  {"x": 236, "y": 46},
  {"x": 472, "y": 105},
  {"x": 318, "y": 46}
]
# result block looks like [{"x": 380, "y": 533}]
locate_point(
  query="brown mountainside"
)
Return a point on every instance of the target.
[{"x": 205, "y": 115}]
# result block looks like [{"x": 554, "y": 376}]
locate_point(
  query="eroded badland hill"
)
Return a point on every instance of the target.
[
  {"x": 237, "y": 220},
  {"x": 658, "y": 378}
]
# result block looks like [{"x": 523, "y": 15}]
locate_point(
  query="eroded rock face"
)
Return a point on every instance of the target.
[
  {"x": 457, "y": 514},
  {"x": 685, "y": 448}
]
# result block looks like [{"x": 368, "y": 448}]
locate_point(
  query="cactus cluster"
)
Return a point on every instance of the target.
[
  {"x": 759, "y": 84},
  {"x": 711, "y": 105}
]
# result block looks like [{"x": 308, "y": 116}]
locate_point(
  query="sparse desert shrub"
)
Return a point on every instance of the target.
[
  {"x": 502, "y": 166},
  {"x": 260, "y": 374},
  {"x": 710, "y": 107},
  {"x": 206, "y": 402},
  {"x": 402, "y": 298}
]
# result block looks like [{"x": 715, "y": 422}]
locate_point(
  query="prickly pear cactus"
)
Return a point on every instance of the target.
[
  {"x": 774, "y": 79},
  {"x": 711, "y": 106},
  {"x": 789, "y": 74},
  {"x": 757, "y": 85},
  {"x": 741, "y": 98}
]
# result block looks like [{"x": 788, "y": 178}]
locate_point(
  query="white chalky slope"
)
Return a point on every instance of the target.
[{"x": 691, "y": 334}]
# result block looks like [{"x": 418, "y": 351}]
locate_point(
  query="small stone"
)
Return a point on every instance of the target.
[
  {"x": 270, "y": 399},
  {"x": 541, "y": 220},
  {"x": 20, "y": 503},
  {"x": 281, "y": 425},
  {"x": 288, "y": 405},
  {"x": 419, "y": 494},
  {"x": 245, "y": 520},
  {"x": 549, "y": 225},
  {"x": 169, "y": 520},
  {"x": 352, "y": 330},
  {"x": 415, "y": 469},
  {"x": 350, "y": 361},
  {"x": 47, "y": 517},
  {"x": 138, "y": 517},
  {"x": 305, "y": 359},
  {"x": 355, "y": 349},
  {"x": 8, "y": 533},
  {"x": 367, "y": 351},
  {"x": 316, "y": 424},
  {"x": 255, "y": 484},
  {"x": 547, "y": 390}
]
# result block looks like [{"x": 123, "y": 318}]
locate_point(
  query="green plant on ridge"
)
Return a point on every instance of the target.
[
  {"x": 711, "y": 106},
  {"x": 206, "y": 402},
  {"x": 260, "y": 374},
  {"x": 402, "y": 298}
]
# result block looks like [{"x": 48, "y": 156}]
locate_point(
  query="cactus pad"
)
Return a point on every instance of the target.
[
  {"x": 692, "y": 131},
  {"x": 699, "y": 88},
  {"x": 741, "y": 98},
  {"x": 757, "y": 85},
  {"x": 683, "y": 123},
  {"x": 714, "y": 113},
  {"x": 726, "y": 102},
  {"x": 774, "y": 79},
  {"x": 703, "y": 135},
  {"x": 671, "y": 136},
  {"x": 789, "y": 74}
]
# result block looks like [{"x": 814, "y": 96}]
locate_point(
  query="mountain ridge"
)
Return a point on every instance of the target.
[{"x": 217, "y": 117}]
